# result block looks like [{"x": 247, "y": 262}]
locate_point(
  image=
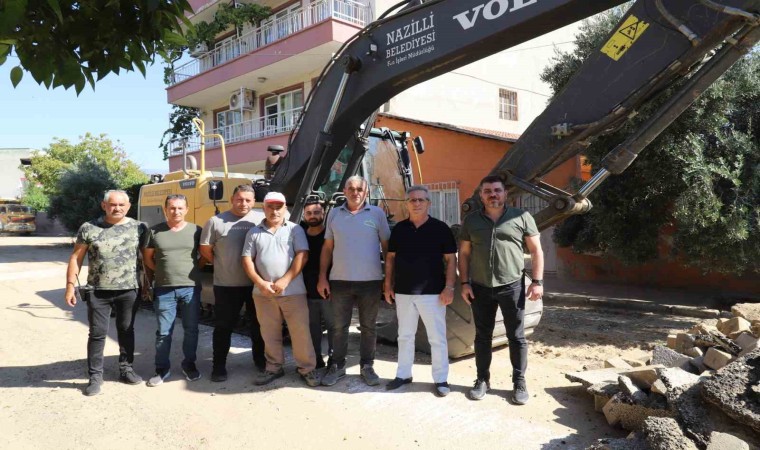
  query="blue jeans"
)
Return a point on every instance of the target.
[{"x": 166, "y": 301}]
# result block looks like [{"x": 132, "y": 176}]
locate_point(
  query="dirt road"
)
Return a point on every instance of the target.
[{"x": 42, "y": 373}]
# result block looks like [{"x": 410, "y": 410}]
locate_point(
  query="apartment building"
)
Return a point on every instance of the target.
[{"x": 251, "y": 86}]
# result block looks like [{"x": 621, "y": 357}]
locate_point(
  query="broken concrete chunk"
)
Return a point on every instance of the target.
[
  {"x": 617, "y": 363},
  {"x": 698, "y": 363},
  {"x": 643, "y": 376},
  {"x": 599, "y": 402},
  {"x": 748, "y": 311},
  {"x": 634, "y": 362},
  {"x": 631, "y": 390},
  {"x": 735, "y": 325},
  {"x": 658, "y": 387},
  {"x": 731, "y": 390},
  {"x": 671, "y": 342},
  {"x": 693, "y": 352},
  {"x": 702, "y": 328},
  {"x": 747, "y": 342},
  {"x": 724, "y": 441},
  {"x": 604, "y": 389},
  {"x": 725, "y": 342},
  {"x": 664, "y": 433},
  {"x": 684, "y": 341},
  {"x": 756, "y": 328},
  {"x": 716, "y": 359},
  {"x": 631, "y": 417},
  {"x": 720, "y": 323},
  {"x": 669, "y": 358},
  {"x": 674, "y": 377}
]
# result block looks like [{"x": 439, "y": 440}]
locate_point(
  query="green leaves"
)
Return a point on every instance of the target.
[
  {"x": 16, "y": 74},
  {"x": 694, "y": 195},
  {"x": 71, "y": 43}
]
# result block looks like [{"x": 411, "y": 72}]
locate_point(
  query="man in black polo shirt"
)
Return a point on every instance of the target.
[{"x": 415, "y": 277}]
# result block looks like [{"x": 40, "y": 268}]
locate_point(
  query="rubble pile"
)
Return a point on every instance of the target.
[{"x": 700, "y": 391}]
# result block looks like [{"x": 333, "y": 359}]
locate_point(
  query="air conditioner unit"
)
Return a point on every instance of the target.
[
  {"x": 198, "y": 50},
  {"x": 243, "y": 99}
]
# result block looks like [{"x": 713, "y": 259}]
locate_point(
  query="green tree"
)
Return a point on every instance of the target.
[
  {"x": 70, "y": 43},
  {"x": 48, "y": 166},
  {"x": 699, "y": 178},
  {"x": 80, "y": 191}
]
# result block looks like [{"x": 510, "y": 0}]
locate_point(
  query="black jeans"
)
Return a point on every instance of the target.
[
  {"x": 228, "y": 300},
  {"x": 511, "y": 299},
  {"x": 319, "y": 310},
  {"x": 367, "y": 296},
  {"x": 99, "y": 315}
]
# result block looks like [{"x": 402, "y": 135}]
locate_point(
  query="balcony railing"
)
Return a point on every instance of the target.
[
  {"x": 258, "y": 128},
  {"x": 272, "y": 31}
]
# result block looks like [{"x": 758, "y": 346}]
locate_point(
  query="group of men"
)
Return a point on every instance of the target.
[{"x": 309, "y": 274}]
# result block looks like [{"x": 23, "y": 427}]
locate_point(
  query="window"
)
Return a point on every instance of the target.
[
  {"x": 281, "y": 111},
  {"x": 444, "y": 201},
  {"x": 507, "y": 104},
  {"x": 230, "y": 125},
  {"x": 284, "y": 22}
]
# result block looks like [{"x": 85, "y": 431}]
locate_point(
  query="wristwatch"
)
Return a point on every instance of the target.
[
  {"x": 538, "y": 282},
  {"x": 465, "y": 282}
]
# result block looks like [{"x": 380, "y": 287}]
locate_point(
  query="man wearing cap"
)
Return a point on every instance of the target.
[
  {"x": 273, "y": 257},
  {"x": 356, "y": 237},
  {"x": 491, "y": 262},
  {"x": 222, "y": 242}
]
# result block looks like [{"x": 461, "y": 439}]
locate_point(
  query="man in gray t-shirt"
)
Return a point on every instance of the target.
[
  {"x": 222, "y": 242},
  {"x": 274, "y": 255},
  {"x": 356, "y": 236}
]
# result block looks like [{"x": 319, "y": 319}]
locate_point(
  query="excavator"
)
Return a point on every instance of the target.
[{"x": 664, "y": 50}]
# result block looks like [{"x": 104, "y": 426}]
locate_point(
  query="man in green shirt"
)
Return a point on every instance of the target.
[
  {"x": 491, "y": 264},
  {"x": 172, "y": 254}
]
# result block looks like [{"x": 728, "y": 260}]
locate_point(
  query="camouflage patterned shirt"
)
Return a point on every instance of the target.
[{"x": 112, "y": 252}]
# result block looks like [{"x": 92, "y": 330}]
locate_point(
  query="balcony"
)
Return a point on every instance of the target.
[
  {"x": 258, "y": 128},
  {"x": 270, "y": 32}
]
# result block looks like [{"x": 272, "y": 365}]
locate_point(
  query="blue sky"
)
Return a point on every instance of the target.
[{"x": 128, "y": 108}]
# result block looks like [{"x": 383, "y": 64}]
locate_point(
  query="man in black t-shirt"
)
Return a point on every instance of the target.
[
  {"x": 416, "y": 278},
  {"x": 319, "y": 309}
]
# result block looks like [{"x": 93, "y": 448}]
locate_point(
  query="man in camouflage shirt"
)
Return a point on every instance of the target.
[{"x": 112, "y": 243}]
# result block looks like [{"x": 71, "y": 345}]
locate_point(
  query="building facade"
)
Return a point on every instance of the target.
[
  {"x": 12, "y": 178},
  {"x": 251, "y": 86}
]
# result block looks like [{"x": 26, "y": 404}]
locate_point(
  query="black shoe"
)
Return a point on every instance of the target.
[
  {"x": 442, "y": 389},
  {"x": 93, "y": 387},
  {"x": 219, "y": 374},
  {"x": 191, "y": 372},
  {"x": 520, "y": 394},
  {"x": 479, "y": 389},
  {"x": 397, "y": 383},
  {"x": 128, "y": 376},
  {"x": 267, "y": 377}
]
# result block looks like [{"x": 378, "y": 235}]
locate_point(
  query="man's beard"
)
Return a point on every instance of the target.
[{"x": 314, "y": 222}]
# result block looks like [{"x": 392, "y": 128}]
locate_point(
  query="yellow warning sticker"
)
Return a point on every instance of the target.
[{"x": 624, "y": 37}]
